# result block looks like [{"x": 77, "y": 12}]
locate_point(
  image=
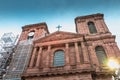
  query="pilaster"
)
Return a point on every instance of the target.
[
  {"x": 33, "y": 57},
  {"x": 85, "y": 53}
]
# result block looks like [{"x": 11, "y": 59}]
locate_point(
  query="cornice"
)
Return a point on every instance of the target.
[
  {"x": 98, "y": 15},
  {"x": 39, "y": 25},
  {"x": 31, "y": 25}
]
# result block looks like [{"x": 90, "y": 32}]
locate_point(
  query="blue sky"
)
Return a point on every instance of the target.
[{"x": 16, "y": 13}]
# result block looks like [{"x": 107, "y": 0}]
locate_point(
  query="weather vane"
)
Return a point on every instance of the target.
[{"x": 59, "y": 27}]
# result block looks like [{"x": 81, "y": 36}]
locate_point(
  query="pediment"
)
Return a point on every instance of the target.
[{"x": 59, "y": 35}]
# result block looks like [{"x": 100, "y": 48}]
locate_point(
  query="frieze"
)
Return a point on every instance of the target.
[{"x": 59, "y": 35}]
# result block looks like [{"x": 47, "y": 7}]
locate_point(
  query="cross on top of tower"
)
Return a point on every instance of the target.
[{"x": 59, "y": 27}]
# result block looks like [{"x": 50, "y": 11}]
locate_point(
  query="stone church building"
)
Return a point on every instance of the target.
[{"x": 68, "y": 56}]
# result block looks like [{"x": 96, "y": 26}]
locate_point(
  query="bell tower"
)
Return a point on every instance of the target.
[
  {"x": 24, "y": 48},
  {"x": 100, "y": 44},
  {"x": 34, "y": 31},
  {"x": 91, "y": 24}
]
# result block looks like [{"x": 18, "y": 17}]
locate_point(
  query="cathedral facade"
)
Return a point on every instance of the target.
[{"x": 70, "y": 56}]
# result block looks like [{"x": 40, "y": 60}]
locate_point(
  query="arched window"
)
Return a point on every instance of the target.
[
  {"x": 31, "y": 35},
  {"x": 92, "y": 27},
  {"x": 101, "y": 55},
  {"x": 59, "y": 58}
]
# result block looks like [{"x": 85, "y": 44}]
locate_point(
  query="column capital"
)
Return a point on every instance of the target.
[
  {"x": 67, "y": 45},
  {"x": 49, "y": 46},
  {"x": 76, "y": 43},
  {"x": 40, "y": 47}
]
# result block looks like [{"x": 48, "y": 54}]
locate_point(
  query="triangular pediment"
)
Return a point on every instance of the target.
[{"x": 59, "y": 35}]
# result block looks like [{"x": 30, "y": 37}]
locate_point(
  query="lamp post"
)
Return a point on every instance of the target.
[{"x": 113, "y": 64}]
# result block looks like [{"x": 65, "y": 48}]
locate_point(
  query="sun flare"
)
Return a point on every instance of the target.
[{"x": 113, "y": 64}]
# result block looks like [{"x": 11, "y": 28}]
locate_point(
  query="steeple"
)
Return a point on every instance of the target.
[{"x": 91, "y": 24}]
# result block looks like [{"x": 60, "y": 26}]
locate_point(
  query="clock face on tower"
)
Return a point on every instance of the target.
[{"x": 31, "y": 34}]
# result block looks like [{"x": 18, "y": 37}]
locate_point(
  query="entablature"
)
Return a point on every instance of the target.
[
  {"x": 99, "y": 37},
  {"x": 59, "y": 42}
]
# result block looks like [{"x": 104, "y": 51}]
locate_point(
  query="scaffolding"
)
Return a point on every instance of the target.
[
  {"x": 7, "y": 44},
  {"x": 20, "y": 60}
]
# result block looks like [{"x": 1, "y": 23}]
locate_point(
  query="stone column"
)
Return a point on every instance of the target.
[
  {"x": 93, "y": 56},
  {"x": 33, "y": 57},
  {"x": 38, "y": 58},
  {"x": 85, "y": 53},
  {"x": 67, "y": 54},
  {"x": 77, "y": 53},
  {"x": 48, "y": 56},
  {"x": 67, "y": 62},
  {"x": 47, "y": 60}
]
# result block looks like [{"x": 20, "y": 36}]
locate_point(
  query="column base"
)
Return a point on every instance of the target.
[
  {"x": 46, "y": 69},
  {"x": 32, "y": 70},
  {"x": 67, "y": 67}
]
